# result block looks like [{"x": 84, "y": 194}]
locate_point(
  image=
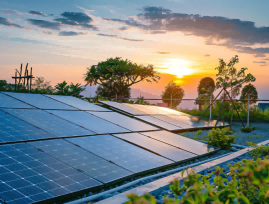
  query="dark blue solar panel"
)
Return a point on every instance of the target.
[
  {"x": 28, "y": 175},
  {"x": 79, "y": 158},
  {"x": 13, "y": 129},
  {"x": 48, "y": 122},
  {"x": 40, "y": 101},
  {"x": 9, "y": 102},
  {"x": 120, "y": 152}
]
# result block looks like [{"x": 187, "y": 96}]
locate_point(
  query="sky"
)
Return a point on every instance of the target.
[{"x": 183, "y": 39}]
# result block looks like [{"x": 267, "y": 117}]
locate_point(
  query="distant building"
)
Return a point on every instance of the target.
[
  {"x": 263, "y": 106},
  {"x": 163, "y": 105}
]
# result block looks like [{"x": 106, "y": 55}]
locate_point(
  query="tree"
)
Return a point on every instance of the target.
[
  {"x": 117, "y": 74},
  {"x": 251, "y": 91},
  {"x": 69, "y": 90},
  {"x": 176, "y": 91},
  {"x": 3, "y": 83},
  {"x": 106, "y": 92},
  {"x": 41, "y": 86},
  {"x": 205, "y": 89}
]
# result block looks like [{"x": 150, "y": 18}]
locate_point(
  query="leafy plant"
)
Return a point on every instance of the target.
[
  {"x": 247, "y": 184},
  {"x": 248, "y": 129},
  {"x": 257, "y": 151},
  {"x": 219, "y": 138},
  {"x": 199, "y": 132},
  {"x": 174, "y": 90}
]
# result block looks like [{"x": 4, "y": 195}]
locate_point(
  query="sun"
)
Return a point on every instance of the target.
[{"x": 177, "y": 67}]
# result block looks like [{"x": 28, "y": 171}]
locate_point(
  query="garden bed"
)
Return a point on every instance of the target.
[{"x": 259, "y": 135}]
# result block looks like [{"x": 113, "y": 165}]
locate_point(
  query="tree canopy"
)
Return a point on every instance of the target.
[
  {"x": 117, "y": 74},
  {"x": 228, "y": 76},
  {"x": 205, "y": 89},
  {"x": 176, "y": 91},
  {"x": 106, "y": 92},
  {"x": 251, "y": 91}
]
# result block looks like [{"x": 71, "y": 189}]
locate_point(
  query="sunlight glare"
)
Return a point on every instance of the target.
[{"x": 177, "y": 67}]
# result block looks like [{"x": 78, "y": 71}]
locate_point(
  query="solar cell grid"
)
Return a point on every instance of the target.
[
  {"x": 158, "y": 122},
  {"x": 77, "y": 103},
  {"x": 78, "y": 158},
  {"x": 158, "y": 147},
  {"x": 124, "y": 121},
  {"x": 89, "y": 121},
  {"x": 13, "y": 129},
  {"x": 120, "y": 152},
  {"x": 48, "y": 122},
  {"x": 28, "y": 175},
  {"x": 40, "y": 101},
  {"x": 9, "y": 102},
  {"x": 122, "y": 107},
  {"x": 181, "y": 142}
]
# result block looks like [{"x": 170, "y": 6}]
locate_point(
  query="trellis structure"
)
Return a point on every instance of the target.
[{"x": 23, "y": 81}]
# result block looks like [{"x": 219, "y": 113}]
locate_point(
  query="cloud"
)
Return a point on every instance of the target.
[
  {"x": 207, "y": 55},
  {"x": 45, "y": 24},
  {"x": 235, "y": 32},
  {"x": 263, "y": 65},
  {"x": 163, "y": 53},
  {"x": 70, "y": 33},
  {"x": 266, "y": 59},
  {"x": 259, "y": 55},
  {"x": 36, "y": 13},
  {"x": 7, "y": 22},
  {"x": 158, "y": 32},
  {"x": 76, "y": 19},
  {"x": 261, "y": 62},
  {"x": 10, "y": 12},
  {"x": 123, "y": 28},
  {"x": 115, "y": 36},
  {"x": 7, "y": 36}
]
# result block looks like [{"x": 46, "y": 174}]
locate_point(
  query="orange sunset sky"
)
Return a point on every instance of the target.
[{"x": 182, "y": 39}]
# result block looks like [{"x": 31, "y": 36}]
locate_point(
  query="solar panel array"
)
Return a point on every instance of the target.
[
  {"x": 53, "y": 146},
  {"x": 164, "y": 118}
]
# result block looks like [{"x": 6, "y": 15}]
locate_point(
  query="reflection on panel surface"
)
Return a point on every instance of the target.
[
  {"x": 158, "y": 122},
  {"x": 89, "y": 121},
  {"x": 77, "y": 103},
  {"x": 189, "y": 120},
  {"x": 121, "y": 153},
  {"x": 124, "y": 121},
  {"x": 172, "y": 121},
  {"x": 28, "y": 175},
  {"x": 78, "y": 158},
  {"x": 13, "y": 129},
  {"x": 181, "y": 142},
  {"x": 158, "y": 147},
  {"x": 9, "y": 102},
  {"x": 49, "y": 122},
  {"x": 40, "y": 101},
  {"x": 122, "y": 107}
]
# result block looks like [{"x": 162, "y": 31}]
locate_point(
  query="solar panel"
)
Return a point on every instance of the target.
[
  {"x": 188, "y": 120},
  {"x": 181, "y": 142},
  {"x": 158, "y": 122},
  {"x": 28, "y": 175},
  {"x": 122, "y": 107},
  {"x": 9, "y": 102},
  {"x": 40, "y": 101},
  {"x": 78, "y": 158},
  {"x": 13, "y": 129},
  {"x": 48, "y": 122},
  {"x": 172, "y": 121},
  {"x": 89, "y": 121},
  {"x": 121, "y": 153},
  {"x": 124, "y": 121},
  {"x": 158, "y": 147},
  {"x": 149, "y": 110},
  {"x": 78, "y": 103}
]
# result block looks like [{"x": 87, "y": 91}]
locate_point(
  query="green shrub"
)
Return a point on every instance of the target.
[
  {"x": 248, "y": 185},
  {"x": 199, "y": 132},
  {"x": 183, "y": 134},
  {"x": 248, "y": 129},
  {"x": 257, "y": 151},
  {"x": 218, "y": 138}
]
